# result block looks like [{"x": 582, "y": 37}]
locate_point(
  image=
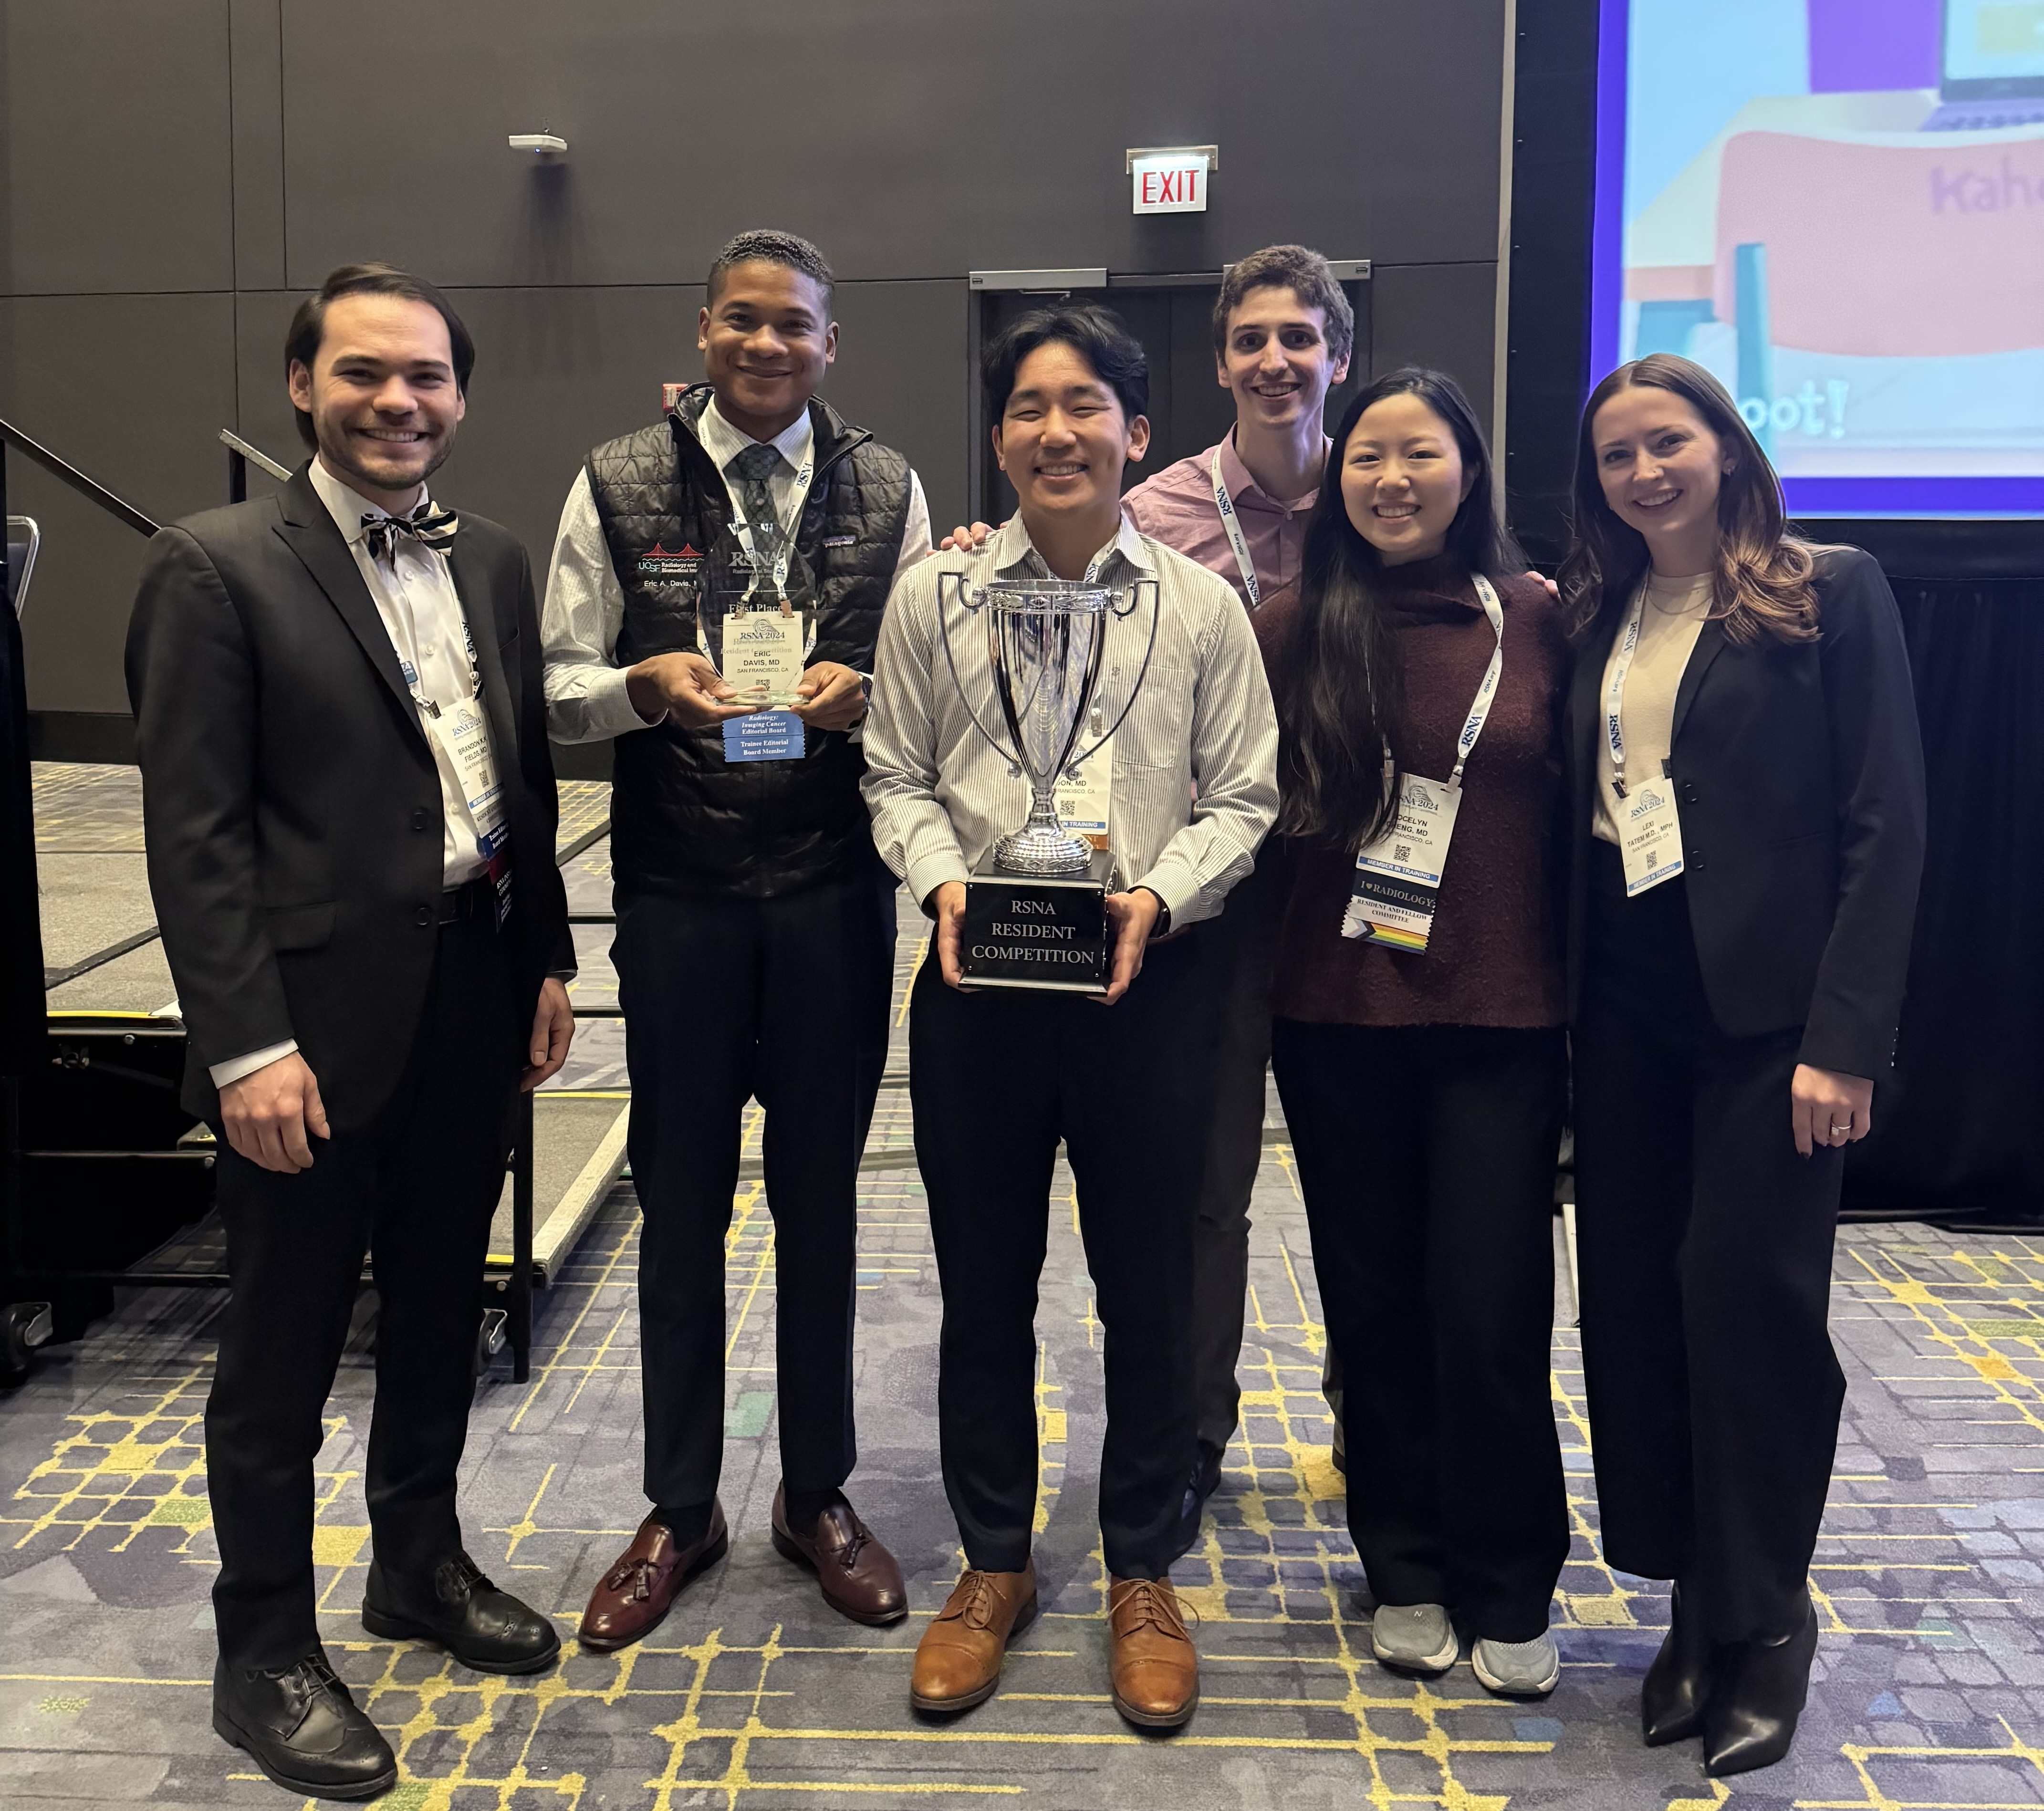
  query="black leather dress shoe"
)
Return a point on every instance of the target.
[
  {"x": 1760, "y": 1693},
  {"x": 462, "y": 1611},
  {"x": 1678, "y": 1684},
  {"x": 301, "y": 1729}
]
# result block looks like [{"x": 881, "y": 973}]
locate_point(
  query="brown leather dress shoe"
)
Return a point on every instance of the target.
[
  {"x": 958, "y": 1661},
  {"x": 860, "y": 1577},
  {"x": 1155, "y": 1667},
  {"x": 631, "y": 1599}
]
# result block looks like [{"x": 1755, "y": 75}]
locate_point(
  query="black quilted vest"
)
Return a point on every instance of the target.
[{"x": 683, "y": 819}]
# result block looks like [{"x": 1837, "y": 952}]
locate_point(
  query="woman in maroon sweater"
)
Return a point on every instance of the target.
[{"x": 1419, "y": 1004}]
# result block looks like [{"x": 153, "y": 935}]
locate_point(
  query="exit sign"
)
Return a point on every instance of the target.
[{"x": 1172, "y": 179}]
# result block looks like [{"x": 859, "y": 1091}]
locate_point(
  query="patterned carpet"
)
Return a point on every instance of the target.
[{"x": 1929, "y": 1688}]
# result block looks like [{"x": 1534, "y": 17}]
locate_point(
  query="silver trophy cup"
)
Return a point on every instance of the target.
[{"x": 1046, "y": 639}]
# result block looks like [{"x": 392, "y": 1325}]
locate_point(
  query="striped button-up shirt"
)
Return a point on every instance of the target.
[{"x": 1193, "y": 788}]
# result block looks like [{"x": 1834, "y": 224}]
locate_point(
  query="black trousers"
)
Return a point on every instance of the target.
[
  {"x": 998, "y": 1076},
  {"x": 1240, "y": 951},
  {"x": 726, "y": 1000},
  {"x": 416, "y": 1191},
  {"x": 1426, "y": 1156},
  {"x": 1703, "y": 1243}
]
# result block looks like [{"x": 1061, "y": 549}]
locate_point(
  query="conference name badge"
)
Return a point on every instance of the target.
[
  {"x": 1083, "y": 794},
  {"x": 1397, "y": 883},
  {"x": 464, "y": 731},
  {"x": 762, "y": 655},
  {"x": 1650, "y": 835}
]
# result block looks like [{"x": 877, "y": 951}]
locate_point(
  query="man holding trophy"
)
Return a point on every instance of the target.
[
  {"x": 1072, "y": 669},
  {"x": 716, "y": 589}
]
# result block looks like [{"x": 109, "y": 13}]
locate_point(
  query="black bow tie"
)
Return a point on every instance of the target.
[{"x": 429, "y": 527}]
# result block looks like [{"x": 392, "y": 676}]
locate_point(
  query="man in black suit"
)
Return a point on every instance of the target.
[{"x": 350, "y": 813}]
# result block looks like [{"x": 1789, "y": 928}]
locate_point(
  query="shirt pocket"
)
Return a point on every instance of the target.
[{"x": 1157, "y": 732}]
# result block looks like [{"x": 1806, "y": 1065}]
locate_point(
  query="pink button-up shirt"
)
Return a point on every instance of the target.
[{"x": 1177, "y": 507}]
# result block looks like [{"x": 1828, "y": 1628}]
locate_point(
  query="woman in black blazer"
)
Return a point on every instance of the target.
[{"x": 1746, "y": 807}]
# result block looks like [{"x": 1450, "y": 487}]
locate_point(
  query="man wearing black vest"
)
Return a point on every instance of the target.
[{"x": 754, "y": 926}]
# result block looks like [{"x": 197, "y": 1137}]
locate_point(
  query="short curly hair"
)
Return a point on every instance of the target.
[
  {"x": 764, "y": 245},
  {"x": 1302, "y": 270}
]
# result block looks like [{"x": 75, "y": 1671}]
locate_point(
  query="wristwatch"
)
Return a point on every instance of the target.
[{"x": 1162, "y": 926}]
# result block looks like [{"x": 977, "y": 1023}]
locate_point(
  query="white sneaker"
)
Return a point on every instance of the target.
[
  {"x": 1417, "y": 1636},
  {"x": 1518, "y": 1669}
]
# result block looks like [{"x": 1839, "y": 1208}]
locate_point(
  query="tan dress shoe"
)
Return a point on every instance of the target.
[
  {"x": 1155, "y": 1667},
  {"x": 632, "y": 1598},
  {"x": 958, "y": 1661},
  {"x": 858, "y": 1576}
]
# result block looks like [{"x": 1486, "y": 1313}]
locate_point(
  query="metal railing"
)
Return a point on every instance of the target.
[
  {"x": 118, "y": 507},
  {"x": 241, "y": 454}
]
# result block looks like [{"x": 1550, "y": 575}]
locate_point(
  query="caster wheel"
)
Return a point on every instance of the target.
[{"x": 489, "y": 1339}]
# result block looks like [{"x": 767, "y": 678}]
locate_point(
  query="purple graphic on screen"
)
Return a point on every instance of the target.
[{"x": 1859, "y": 47}]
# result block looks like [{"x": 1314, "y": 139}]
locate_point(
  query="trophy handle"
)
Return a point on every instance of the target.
[
  {"x": 1156, "y": 603},
  {"x": 970, "y": 598}
]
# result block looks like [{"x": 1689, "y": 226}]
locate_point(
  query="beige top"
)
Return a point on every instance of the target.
[{"x": 1676, "y": 611}]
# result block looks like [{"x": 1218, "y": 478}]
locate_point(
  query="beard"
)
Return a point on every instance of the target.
[{"x": 342, "y": 453}]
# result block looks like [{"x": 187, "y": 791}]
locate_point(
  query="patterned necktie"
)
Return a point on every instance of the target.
[
  {"x": 429, "y": 527},
  {"x": 752, "y": 466}
]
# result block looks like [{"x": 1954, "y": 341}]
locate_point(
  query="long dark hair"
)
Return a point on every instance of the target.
[
  {"x": 1762, "y": 582},
  {"x": 1342, "y": 696}
]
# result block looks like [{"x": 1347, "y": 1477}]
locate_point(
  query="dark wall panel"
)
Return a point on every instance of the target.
[
  {"x": 902, "y": 371},
  {"x": 256, "y": 45},
  {"x": 223, "y": 154},
  {"x": 1442, "y": 314},
  {"x": 157, "y": 448},
  {"x": 264, "y": 417},
  {"x": 116, "y": 123},
  {"x": 556, "y": 371},
  {"x": 910, "y": 138}
]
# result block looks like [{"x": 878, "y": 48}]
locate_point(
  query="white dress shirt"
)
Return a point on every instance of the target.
[
  {"x": 1193, "y": 788},
  {"x": 585, "y": 606},
  {"x": 421, "y": 612}
]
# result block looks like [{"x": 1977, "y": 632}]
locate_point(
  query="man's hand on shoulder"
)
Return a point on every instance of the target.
[
  {"x": 267, "y": 1115},
  {"x": 833, "y": 697},
  {"x": 684, "y": 688},
  {"x": 553, "y": 1030},
  {"x": 966, "y": 540}
]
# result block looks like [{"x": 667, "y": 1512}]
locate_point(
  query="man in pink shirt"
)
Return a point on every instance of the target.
[{"x": 1283, "y": 333}]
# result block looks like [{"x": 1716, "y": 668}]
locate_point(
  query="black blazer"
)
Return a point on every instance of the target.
[
  {"x": 1799, "y": 775},
  {"x": 292, "y": 806}
]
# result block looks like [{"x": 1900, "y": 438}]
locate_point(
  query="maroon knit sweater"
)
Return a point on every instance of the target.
[{"x": 1495, "y": 955}]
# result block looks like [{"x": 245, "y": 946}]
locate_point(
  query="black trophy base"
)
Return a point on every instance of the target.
[{"x": 1036, "y": 930}]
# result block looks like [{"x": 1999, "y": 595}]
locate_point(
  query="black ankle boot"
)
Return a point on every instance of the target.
[
  {"x": 1677, "y": 1686},
  {"x": 483, "y": 1628},
  {"x": 1761, "y": 1689},
  {"x": 300, "y": 1728}
]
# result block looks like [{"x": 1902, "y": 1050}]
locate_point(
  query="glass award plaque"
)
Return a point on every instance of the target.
[{"x": 756, "y": 615}]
